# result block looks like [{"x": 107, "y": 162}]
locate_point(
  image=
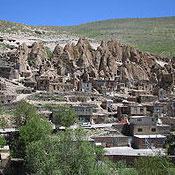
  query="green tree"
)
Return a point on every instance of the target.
[
  {"x": 3, "y": 122},
  {"x": 154, "y": 165},
  {"x": 23, "y": 112},
  {"x": 2, "y": 141},
  {"x": 127, "y": 171},
  {"x": 32, "y": 127},
  {"x": 49, "y": 53},
  {"x": 1, "y": 109},
  {"x": 35, "y": 129},
  {"x": 121, "y": 168},
  {"x": 67, "y": 153},
  {"x": 41, "y": 157},
  {"x": 63, "y": 115}
]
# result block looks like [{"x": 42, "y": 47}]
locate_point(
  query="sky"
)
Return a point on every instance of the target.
[{"x": 74, "y": 12}]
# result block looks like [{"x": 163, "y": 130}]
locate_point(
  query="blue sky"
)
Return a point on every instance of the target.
[{"x": 71, "y": 12}]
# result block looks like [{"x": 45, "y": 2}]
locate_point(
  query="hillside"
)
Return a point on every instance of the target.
[{"x": 155, "y": 35}]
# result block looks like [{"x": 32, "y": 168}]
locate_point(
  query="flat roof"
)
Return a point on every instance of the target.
[
  {"x": 128, "y": 151},
  {"x": 6, "y": 130},
  {"x": 141, "y": 116},
  {"x": 162, "y": 125},
  {"x": 110, "y": 135},
  {"x": 103, "y": 125},
  {"x": 150, "y": 136}
]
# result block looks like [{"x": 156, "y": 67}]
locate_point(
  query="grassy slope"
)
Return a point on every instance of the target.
[{"x": 156, "y": 35}]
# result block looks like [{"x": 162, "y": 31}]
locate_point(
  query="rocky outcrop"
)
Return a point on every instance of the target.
[
  {"x": 109, "y": 60},
  {"x": 37, "y": 55},
  {"x": 74, "y": 57},
  {"x": 22, "y": 59}
]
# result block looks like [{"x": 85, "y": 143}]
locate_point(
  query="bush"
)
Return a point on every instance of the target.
[
  {"x": 65, "y": 154},
  {"x": 23, "y": 112},
  {"x": 2, "y": 141},
  {"x": 153, "y": 165},
  {"x": 63, "y": 115},
  {"x": 49, "y": 53}
]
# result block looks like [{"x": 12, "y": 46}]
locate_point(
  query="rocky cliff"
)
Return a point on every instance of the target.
[{"x": 109, "y": 60}]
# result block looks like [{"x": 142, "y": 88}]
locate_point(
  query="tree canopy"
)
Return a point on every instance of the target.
[
  {"x": 2, "y": 141},
  {"x": 23, "y": 112},
  {"x": 32, "y": 128},
  {"x": 155, "y": 165},
  {"x": 35, "y": 129},
  {"x": 63, "y": 115},
  {"x": 67, "y": 153}
]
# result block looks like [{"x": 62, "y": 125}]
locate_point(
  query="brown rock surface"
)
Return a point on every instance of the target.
[
  {"x": 109, "y": 57},
  {"x": 104, "y": 62},
  {"x": 38, "y": 54}
]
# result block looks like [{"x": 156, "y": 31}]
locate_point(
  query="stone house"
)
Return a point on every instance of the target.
[
  {"x": 107, "y": 104},
  {"x": 131, "y": 109},
  {"x": 171, "y": 107},
  {"x": 148, "y": 141},
  {"x": 163, "y": 129},
  {"x": 50, "y": 81},
  {"x": 90, "y": 113},
  {"x": 145, "y": 125},
  {"x": 130, "y": 155},
  {"x": 85, "y": 86},
  {"x": 144, "y": 85},
  {"x": 111, "y": 140},
  {"x": 5, "y": 96},
  {"x": 85, "y": 112},
  {"x": 160, "y": 109},
  {"x": 104, "y": 86},
  {"x": 99, "y": 118},
  {"x": 121, "y": 87},
  {"x": 8, "y": 70},
  {"x": 137, "y": 109},
  {"x": 162, "y": 95}
]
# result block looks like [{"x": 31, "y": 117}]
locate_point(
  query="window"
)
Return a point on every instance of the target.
[
  {"x": 153, "y": 129},
  {"x": 153, "y": 119},
  {"x": 140, "y": 130},
  {"x": 141, "y": 110},
  {"x": 139, "y": 119}
]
